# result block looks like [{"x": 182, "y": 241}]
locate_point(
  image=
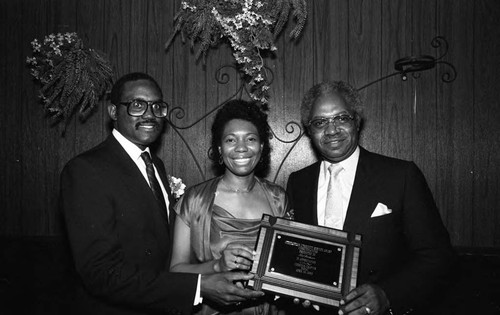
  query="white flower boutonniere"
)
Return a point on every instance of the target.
[
  {"x": 290, "y": 215},
  {"x": 176, "y": 186}
]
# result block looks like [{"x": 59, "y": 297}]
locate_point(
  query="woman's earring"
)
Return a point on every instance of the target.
[{"x": 221, "y": 161}]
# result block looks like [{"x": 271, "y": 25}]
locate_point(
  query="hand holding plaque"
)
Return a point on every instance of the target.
[
  {"x": 309, "y": 262},
  {"x": 235, "y": 257}
]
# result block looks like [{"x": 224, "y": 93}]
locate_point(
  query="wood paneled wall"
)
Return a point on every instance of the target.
[{"x": 451, "y": 130}]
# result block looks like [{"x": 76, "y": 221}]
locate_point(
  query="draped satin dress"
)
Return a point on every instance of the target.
[{"x": 213, "y": 227}]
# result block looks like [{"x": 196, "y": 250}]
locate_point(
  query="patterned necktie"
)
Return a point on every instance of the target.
[
  {"x": 333, "y": 209},
  {"x": 153, "y": 182}
]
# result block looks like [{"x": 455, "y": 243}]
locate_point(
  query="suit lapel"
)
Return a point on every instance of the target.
[
  {"x": 363, "y": 192},
  {"x": 171, "y": 199},
  {"x": 314, "y": 196},
  {"x": 133, "y": 179},
  {"x": 163, "y": 177},
  {"x": 311, "y": 194}
]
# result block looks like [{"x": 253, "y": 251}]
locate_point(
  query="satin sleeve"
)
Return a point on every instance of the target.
[
  {"x": 277, "y": 197},
  {"x": 194, "y": 208}
]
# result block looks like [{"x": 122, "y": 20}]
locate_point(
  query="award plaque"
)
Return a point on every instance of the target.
[{"x": 310, "y": 262}]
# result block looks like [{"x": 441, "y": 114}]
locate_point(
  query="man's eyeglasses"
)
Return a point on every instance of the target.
[
  {"x": 319, "y": 124},
  {"x": 137, "y": 108}
]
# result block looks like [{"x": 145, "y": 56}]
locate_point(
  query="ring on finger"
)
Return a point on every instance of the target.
[{"x": 368, "y": 310}]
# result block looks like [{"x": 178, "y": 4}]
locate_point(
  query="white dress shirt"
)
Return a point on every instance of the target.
[{"x": 346, "y": 177}]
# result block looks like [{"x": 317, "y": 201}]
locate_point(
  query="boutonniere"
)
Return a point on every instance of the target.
[
  {"x": 290, "y": 215},
  {"x": 176, "y": 186}
]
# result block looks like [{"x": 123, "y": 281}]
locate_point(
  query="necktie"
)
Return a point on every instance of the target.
[
  {"x": 153, "y": 182},
  {"x": 333, "y": 209}
]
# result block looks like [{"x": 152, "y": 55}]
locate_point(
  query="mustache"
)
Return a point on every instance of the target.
[
  {"x": 147, "y": 122},
  {"x": 328, "y": 138}
]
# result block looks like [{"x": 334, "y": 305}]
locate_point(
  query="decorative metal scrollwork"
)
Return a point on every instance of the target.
[
  {"x": 290, "y": 129},
  {"x": 416, "y": 64},
  {"x": 221, "y": 77},
  {"x": 410, "y": 64}
]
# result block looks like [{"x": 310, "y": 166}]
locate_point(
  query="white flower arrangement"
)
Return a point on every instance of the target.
[
  {"x": 176, "y": 186},
  {"x": 251, "y": 26},
  {"x": 48, "y": 51},
  {"x": 73, "y": 78}
]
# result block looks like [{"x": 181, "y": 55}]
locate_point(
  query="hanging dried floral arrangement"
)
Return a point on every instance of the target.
[
  {"x": 73, "y": 78},
  {"x": 250, "y": 26}
]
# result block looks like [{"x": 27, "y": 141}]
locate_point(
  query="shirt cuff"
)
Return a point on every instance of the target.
[{"x": 197, "y": 298}]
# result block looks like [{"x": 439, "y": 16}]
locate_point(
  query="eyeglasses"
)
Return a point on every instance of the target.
[
  {"x": 137, "y": 108},
  {"x": 319, "y": 124}
]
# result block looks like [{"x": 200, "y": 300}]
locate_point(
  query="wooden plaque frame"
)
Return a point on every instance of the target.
[{"x": 309, "y": 275}]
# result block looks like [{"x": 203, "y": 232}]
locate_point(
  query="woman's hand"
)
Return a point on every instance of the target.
[{"x": 235, "y": 257}]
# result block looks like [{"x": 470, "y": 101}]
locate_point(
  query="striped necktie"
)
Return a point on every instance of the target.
[{"x": 153, "y": 181}]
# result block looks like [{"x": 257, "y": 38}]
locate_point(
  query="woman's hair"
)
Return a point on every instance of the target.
[{"x": 248, "y": 111}]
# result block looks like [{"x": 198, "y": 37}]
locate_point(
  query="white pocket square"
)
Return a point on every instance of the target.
[{"x": 380, "y": 210}]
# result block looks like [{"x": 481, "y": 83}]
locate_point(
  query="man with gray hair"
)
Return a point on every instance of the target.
[{"x": 406, "y": 254}]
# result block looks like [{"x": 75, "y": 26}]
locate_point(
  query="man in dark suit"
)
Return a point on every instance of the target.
[
  {"x": 406, "y": 254},
  {"x": 118, "y": 211}
]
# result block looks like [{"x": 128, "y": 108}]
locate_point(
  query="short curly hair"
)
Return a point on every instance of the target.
[
  {"x": 346, "y": 91},
  {"x": 118, "y": 86},
  {"x": 248, "y": 111}
]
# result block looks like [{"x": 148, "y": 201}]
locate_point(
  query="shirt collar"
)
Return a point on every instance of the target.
[
  {"x": 349, "y": 165},
  {"x": 132, "y": 150}
]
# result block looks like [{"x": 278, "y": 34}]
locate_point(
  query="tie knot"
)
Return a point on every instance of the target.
[
  {"x": 146, "y": 157},
  {"x": 335, "y": 169}
]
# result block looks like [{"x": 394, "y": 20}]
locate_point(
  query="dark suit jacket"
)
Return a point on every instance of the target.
[
  {"x": 407, "y": 252},
  {"x": 119, "y": 236}
]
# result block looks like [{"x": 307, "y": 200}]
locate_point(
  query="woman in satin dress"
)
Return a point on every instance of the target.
[{"x": 218, "y": 220}]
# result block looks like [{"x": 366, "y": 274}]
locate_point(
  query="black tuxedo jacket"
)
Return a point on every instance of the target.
[
  {"x": 120, "y": 237},
  {"x": 407, "y": 252}
]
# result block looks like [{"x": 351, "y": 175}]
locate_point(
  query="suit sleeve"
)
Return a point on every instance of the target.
[
  {"x": 89, "y": 211},
  {"x": 289, "y": 192},
  {"x": 299, "y": 198},
  {"x": 292, "y": 195},
  {"x": 427, "y": 272}
]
